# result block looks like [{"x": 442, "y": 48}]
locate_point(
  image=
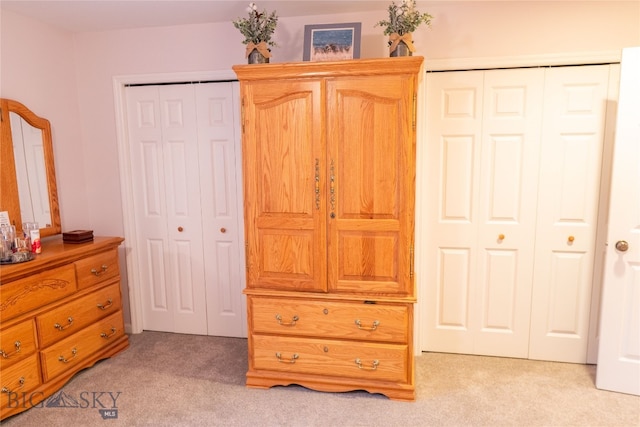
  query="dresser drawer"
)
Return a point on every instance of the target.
[
  {"x": 66, "y": 354},
  {"x": 72, "y": 317},
  {"x": 36, "y": 291},
  {"x": 98, "y": 268},
  {"x": 361, "y": 360},
  {"x": 16, "y": 343},
  {"x": 20, "y": 378},
  {"x": 332, "y": 319}
]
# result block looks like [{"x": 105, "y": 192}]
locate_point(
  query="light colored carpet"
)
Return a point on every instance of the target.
[{"x": 185, "y": 380}]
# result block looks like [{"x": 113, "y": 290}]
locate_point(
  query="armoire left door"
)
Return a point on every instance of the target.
[{"x": 184, "y": 152}]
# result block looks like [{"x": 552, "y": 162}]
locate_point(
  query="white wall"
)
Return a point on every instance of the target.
[{"x": 37, "y": 68}]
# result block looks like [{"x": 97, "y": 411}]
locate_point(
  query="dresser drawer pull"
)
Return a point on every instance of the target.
[
  {"x": 21, "y": 382},
  {"x": 373, "y": 367},
  {"x": 294, "y": 319},
  {"x": 97, "y": 273},
  {"x": 107, "y": 305},
  {"x": 107, "y": 336},
  {"x": 74, "y": 353},
  {"x": 17, "y": 345},
  {"x": 292, "y": 360},
  {"x": 61, "y": 328},
  {"x": 373, "y": 327}
]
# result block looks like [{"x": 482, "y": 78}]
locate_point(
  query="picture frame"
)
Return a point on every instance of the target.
[{"x": 332, "y": 42}]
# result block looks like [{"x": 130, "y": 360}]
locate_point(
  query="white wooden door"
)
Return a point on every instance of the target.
[
  {"x": 619, "y": 350},
  {"x": 220, "y": 189},
  {"x": 570, "y": 164},
  {"x": 164, "y": 155},
  {"x": 483, "y": 139}
]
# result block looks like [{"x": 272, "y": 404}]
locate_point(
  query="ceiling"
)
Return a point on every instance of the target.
[{"x": 105, "y": 15}]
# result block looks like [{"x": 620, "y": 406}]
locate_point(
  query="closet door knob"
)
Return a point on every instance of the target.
[
  {"x": 622, "y": 245},
  {"x": 223, "y": 230},
  {"x": 180, "y": 229}
]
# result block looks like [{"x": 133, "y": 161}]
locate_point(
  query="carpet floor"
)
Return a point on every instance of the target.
[{"x": 166, "y": 379}]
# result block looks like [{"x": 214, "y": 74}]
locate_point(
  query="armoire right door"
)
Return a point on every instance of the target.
[{"x": 511, "y": 201}]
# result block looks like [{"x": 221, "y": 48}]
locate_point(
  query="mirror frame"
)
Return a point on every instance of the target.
[{"x": 9, "y": 198}]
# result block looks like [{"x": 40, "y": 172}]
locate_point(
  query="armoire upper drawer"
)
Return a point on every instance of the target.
[
  {"x": 97, "y": 268},
  {"x": 24, "y": 295},
  {"x": 16, "y": 343},
  {"x": 72, "y": 317},
  {"x": 333, "y": 319}
]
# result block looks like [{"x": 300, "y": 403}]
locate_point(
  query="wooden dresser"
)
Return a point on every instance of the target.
[
  {"x": 59, "y": 314},
  {"x": 329, "y": 192}
]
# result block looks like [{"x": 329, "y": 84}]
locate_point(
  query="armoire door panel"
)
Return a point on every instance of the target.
[
  {"x": 284, "y": 185},
  {"x": 371, "y": 185}
]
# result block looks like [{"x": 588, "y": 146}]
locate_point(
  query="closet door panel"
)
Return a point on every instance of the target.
[
  {"x": 573, "y": 135},
  {"x": 218, "y": 141},
  {"x": 507, "y": 209},
  {"x": 166, "y": 187},
  {"x": 453, "y": 146}
]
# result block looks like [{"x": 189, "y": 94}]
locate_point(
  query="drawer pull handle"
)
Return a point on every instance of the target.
[
  {"x": 373, "y": 327},
  {"x": 21, "y": 382},
  {"x": 74, "y": 353},
  {"x": 61, "y": 328},
  {"x": 292, "y": 360},
  {"x": 107, "y": 336},
  {"x": 17, "y": 345},
  {"x": 97, "y": 273},
  {"x": 373, "y": 367},
  {"x": 294, "y": 319},
  {"x": 107, "y": 305}
]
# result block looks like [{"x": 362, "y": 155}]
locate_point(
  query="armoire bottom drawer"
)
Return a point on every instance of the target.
[
  {"x": 68, "y": 353},
  {"x": 362, "y": 360}
]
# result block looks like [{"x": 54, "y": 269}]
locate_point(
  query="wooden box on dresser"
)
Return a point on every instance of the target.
[
  {"x": 329, "y": 193},
  {"x": 59, "y": 314}
]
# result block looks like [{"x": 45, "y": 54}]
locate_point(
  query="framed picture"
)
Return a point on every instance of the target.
[{"x": 331, "y": 42}]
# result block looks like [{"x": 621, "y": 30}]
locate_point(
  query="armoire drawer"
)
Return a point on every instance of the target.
[
  {"x": 20, "y": 378},
  {"x": 16, "y": 343},
  {"x": 332, "y": 319},
  {"x": 71, "y": 351},
  {"x": 72, "y": 317},
  {"x": 361, "y": 360},
  {"x": 24, "y": 295},
  {"x": 98, "y": 268}
]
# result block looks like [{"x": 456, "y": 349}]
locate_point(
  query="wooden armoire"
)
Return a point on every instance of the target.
[{"x": 329, "y": 193}]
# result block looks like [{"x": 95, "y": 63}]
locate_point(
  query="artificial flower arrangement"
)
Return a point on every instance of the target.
[
  {"x": 404, "y": 19},
  {"x": 257, "y": 30}
]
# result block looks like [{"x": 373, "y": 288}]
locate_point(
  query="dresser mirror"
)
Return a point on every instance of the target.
[{"x": 28, "y": 189}]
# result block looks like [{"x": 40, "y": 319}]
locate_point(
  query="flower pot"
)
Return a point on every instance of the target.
[
  {"x": 255, "y": 57},
  {"x": 401, "y": 50}
]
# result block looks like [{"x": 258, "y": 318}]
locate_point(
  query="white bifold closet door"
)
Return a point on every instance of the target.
[
  {"x": 185, "y": 160},
  {"x": 511, "y": 202}
]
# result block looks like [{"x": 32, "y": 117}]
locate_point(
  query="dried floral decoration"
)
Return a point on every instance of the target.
[
  {"x": 257, "y": 30},
  {"x": 404, "y": 19}
]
